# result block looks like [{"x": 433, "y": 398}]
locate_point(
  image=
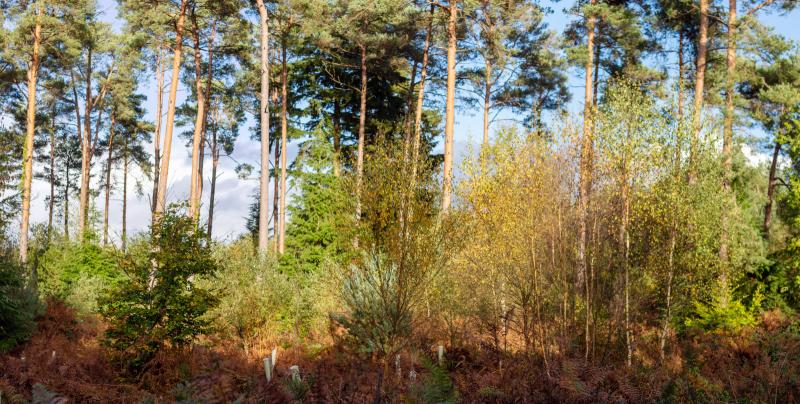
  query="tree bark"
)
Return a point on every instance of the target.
[
  {"x": 197, "y": 138},
  {"x": 337, "y": 137},
  {"x": 263, "y": 214},
  {"x": 157, "y": 134},
  {"x": 275, "y": 194},
  {"x": 125, "y": 163},
  {"x": 66, "y": 196},
  {"x": 420, "y": 101},
  {"x": 108, "y": 179},
  {"x": 727, "y": 147},
  {"x": 487, "y": 99},
  {"x": 30, "y": 131},
  {"x": 284, "y": 151},
  {"x": 212, "y": 193},
  {"x": 173, "y": 91},
  {"x": 771, "y": 190},
  {"x": 699, "y": 84},
  {"x": 362, "y": 119},
  {"x": 449, "y": 127},
  {"x": 51, "y": 203},
  {"x": 86, "y": 150},
  {"x": 586, "y": 175},
  {"x": 209, "y": 81}
]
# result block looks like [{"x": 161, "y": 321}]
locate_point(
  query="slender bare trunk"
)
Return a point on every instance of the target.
[
  {"x": 624, "y": 241},
  {"x": 30, "y": 130},
  {"x": 66, "y": 197},
  {"x": 125, "y": 163},
  {"x": 197, "y": 138},
  {"x": 52, "y": 178},
  {"x": 173, "y": 92},
  {"x": 681, "y": 74},
  {"x": 209, "y": 78},
  {"x": 263, "y": 214},
  {"x": 727, "y": 148},
  {"x": 284, "y": 151},
  {"x": 275, "y": 194},
  {"x": 420, "y": 101},
  {"x": 337, "y": 135},
  {"x": 157, "y": 134},
  {"x": 596, "y": 78},
  {"x": 86, "y": 150},
  {"x": 586, "y": 176},
  {"x": 487, "y": 99},
  {"x": 449, "y": 126},
  {"x": 771, "y": 189},
  {"x": 212, "y": 193},
  {"x": 699, "y": 84},
  {"x": 108, "y": 179},
  {"x": 362, "y": 119},
  {"x": 407, "y": 128}
]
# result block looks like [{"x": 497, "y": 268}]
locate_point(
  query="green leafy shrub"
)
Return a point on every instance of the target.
[
  {"x": 160, "y": 304},
  {"x": 716, "y": 316},
  {"x": 77, "y": 273},
  {"x": 18, "y": 306}
]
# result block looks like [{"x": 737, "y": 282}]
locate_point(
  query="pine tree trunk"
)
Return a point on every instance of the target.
[
  {"x": 30, "y": 130},
  {"x": 362, "y": 119},
  {"x": 66, "y": 197},
  {"x": 337, "y": 137},
  {"x": 487, "y": 99},
  {"x": 681, "y": 74},
  {"x": 449, "y": 126},
  {"x": 586, "y": 176},
  {"x": 420, "y": 101},
  {"x": 157, "y": 134},
  {"x": 203, "y": 138},
  {"x": 771, "y": 190},
  {"x": 263, "y": 214},
  {"x": 197, "y": 138},
  {"x": 173, "y": 92},
  {"x": 284, "y": 151},
  {"x": 125, "y": 163},
  {"x": 407, "y": 131},
  {"x": 212, "y": 193},
  {"x": 276, "y": 195},
  {"x": 86, "y": 151},
  {"x": 51, "y": 204},
  {"x": 596, "y": 78},
  {"x": 727, "y": 148},
  {"x": 108, "y": 180},
  {"x": 699, "y": 85}
]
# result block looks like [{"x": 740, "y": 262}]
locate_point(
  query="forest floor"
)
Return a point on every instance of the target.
[{"x": 65, "y": 362}]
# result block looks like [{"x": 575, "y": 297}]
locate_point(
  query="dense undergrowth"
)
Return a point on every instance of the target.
[{"x": 66, "y": 358}]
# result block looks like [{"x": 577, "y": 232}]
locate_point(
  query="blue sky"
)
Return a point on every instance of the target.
[{"x": 233, "y": 195}]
